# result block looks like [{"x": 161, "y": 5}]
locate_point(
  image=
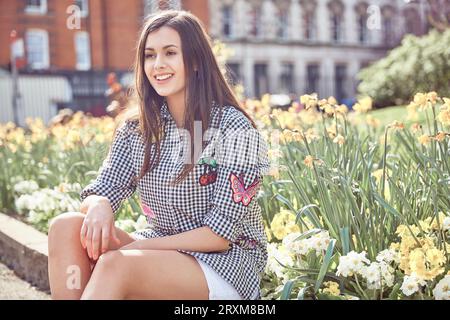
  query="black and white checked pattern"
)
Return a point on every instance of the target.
[{"x": 238, "y": 149}]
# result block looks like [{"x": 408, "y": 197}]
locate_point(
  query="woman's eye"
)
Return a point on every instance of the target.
[{"x": 148, "y": 55}]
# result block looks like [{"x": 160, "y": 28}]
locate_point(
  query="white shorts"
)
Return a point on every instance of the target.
[{"x": 219, "y": 288}]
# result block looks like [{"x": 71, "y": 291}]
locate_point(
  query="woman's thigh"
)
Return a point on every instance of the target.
[{"x": 161, "y": 274}]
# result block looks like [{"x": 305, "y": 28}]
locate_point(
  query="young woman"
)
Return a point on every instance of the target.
[{"x": 207, "y": 239}]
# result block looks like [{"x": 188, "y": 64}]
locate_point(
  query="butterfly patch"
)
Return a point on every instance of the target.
[
  {"x": 147, "y": 211},
  {"x": 240, "y": 193},
  {"x": 245, "y": 242}
]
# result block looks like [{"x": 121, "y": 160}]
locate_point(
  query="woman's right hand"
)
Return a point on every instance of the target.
[{"x": 98, "y": 228}]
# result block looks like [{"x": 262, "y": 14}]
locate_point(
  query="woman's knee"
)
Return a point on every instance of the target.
[{"x": 65, "y": 225}]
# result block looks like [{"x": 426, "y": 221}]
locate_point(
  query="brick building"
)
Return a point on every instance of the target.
[{"x": 81, "y": 41}]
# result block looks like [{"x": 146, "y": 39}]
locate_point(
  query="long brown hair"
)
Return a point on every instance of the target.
[{"x": 203, "y": 86}]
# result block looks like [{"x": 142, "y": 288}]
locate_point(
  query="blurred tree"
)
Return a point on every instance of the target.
[{"x": 419, "y": 64}]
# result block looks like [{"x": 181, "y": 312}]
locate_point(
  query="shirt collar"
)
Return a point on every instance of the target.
[{"x": 165, "y": 113}]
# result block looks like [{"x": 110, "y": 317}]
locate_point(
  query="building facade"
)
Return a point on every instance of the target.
[
  {"x": 79, "y": 40},
  {"x": 305, "y": 46},
  {"x": 280, "y": 46}
]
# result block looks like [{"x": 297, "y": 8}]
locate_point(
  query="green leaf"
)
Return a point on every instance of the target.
[
  {"x": 301, "y": 293},
  {"x": 345, "y": 240},
  {"x": 325, "y": 264},
  {"x": 395, "y": 290},
  {"x": 286, "y": 293}
]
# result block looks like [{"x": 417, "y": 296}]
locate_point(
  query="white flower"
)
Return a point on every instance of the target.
[
  {"x": 127, "y": 225},
  {"x": 442, "y": 289},
  {"x": 388, "y": 256},
  {"x": 318, "y": 242},
  {"x": 141, "y": 223},
  {"x": 446, "y": 224},
  {"x": 411, "y": 284},
  {"x": 352, "y": 263},
  {"x": 378, "y": 274},
  {"x": 26, "y": 187},
  {"x": 281, "y": 254},
  {"x": 25, "y": 203}
]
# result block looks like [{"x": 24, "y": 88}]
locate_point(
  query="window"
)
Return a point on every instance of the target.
[
  {"x": 36, "y": 6},
  {"x": 233, "y": 73},
  {"x": 312, "y": 78},
  {"x": 227, "y": 21},
  {"x": 261, "y": 80},
  {"x": 388, "y": 30},
  {"x": 255, "y": 20},
  {"x": 362, "y": 29},
  {"x": 83, "y": 51},
  {"x": 336, "y": 28},
  {"x": 340, "y": 77},
  {"x": 287, "y": 78},
  {"x": 283, "y": 24},
  {"x": 84, "y": 7},
  {"x": 310, "y": 27},
  {"x": 37, "y": 49}
]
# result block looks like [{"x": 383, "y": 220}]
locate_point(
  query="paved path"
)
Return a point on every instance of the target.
[{"x": 14, "y": 288}]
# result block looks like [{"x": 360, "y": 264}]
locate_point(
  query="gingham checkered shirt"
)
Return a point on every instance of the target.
[{"x": 239, "y": 151}]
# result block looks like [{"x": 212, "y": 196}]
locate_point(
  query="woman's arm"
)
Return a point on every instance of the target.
[{"x": 202, "y": 239}]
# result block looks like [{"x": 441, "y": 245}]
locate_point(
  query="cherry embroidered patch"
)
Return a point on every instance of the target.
[
  {"x": 240, "y": 193},
  {"x": 209, "y": 171}
]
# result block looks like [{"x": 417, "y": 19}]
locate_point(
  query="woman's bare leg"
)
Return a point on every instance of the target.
[
  {"x": 147, "y": 274},
  {"x": 69, "y": 266}
]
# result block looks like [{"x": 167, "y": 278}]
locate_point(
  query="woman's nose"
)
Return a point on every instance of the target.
[{"x": 159, "y": 63}]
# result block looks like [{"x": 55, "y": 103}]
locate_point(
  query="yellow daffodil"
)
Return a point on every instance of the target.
[
  {"x": 331, "y": 288},
  {"x": 424, "y": 139}
]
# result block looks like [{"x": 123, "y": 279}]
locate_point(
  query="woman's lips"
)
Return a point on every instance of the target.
[{"x": 163, "y": 81}]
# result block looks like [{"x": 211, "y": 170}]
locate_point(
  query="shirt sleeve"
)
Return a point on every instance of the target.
[
  {"x": 115, "y": 178},
  {"x": 242, "y": 161}
]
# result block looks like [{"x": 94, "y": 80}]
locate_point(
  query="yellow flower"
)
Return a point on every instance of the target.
[
  {"x": 329, "y": 110},
  {"x": 363, "y": 105},
  {"x": 427, "y": 264},
  {"x": 432, "y": 97},
  {"x": 309, "y": 161},
  {"x": 311, "y": 135},
  {"x": 397, "y": 125},
  {"x": 378, "y": 174},
  {"x": 373, "y": 122},
  {"x": 283, "y": 223},
  {"x": 440, "y": 136},
  {"x": 331, "y": 288},
  {"x": 444, "y": 115},
  {"x": 420, "y": 99},
  {"x": 287, "y": 135},
  {"x": 416, "y": 127},
  {"x": 425, "y": 224},
  {"x": 404, "y": 232},
  {"x": 424, "y": 139},
  {"x": 309, "y": 101},
  {"x": 436, "y": 225},
  {"x": 446, "y": 102},
  {"x": 342, "y": 109},
  {"x": 339, "y": 140},
  {"x": 412, "y": 111}
]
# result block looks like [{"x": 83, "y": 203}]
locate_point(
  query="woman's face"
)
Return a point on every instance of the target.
[{"x": 163, "y": 57}]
